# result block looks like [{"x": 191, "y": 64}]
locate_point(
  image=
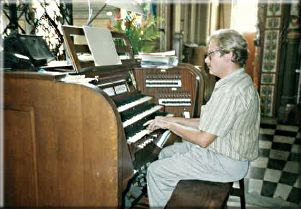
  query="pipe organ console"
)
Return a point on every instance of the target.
[
  {"x": 80, "y": 139},
  {"x": 182, "y": 89}
]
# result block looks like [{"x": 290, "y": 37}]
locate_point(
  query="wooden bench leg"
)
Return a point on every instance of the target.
[{"x": 242, "y": 194}]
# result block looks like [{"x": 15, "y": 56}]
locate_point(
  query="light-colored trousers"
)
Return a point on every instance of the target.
[{"x": 185, "y": 160}]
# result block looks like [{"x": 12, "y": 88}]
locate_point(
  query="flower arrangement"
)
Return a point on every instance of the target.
[{"x": 143, "y": 36}]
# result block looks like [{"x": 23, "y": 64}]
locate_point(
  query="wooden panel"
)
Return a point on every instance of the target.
[
  {"x": 198, "y": 57},
  {"x": 69, "y": 135},
  {"x": 81, "y": 154},
  {"x": 20, "y": 155},
  {"x": 88, "y": 164},
  {"x": 38, "y": 92},
  {"x": 101, "y": 152}
]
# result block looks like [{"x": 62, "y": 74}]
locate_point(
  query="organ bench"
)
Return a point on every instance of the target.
[{"x": 199, "y": 194}]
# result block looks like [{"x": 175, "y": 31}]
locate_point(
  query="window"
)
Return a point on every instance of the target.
[{"x": 244, "y": 15}]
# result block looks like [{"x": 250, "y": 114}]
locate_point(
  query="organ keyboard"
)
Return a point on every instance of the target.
[{"x": 135, "y": 109}]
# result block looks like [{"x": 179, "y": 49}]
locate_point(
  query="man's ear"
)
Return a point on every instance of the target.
[{"x": 229, "y": 56}]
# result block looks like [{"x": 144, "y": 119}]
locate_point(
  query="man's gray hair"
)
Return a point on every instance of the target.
[{"x": 231, "y": 41}]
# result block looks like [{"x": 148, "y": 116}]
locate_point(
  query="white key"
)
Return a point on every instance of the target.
[
  {"x": 134, "y": 103},
  {"x": 146, "y": 142},
  {"x": 175, "y": 102},
  {"x": 142, "y": 115},
  {"x": 163, "y": 83},
  {"x": 138, "y": 136}
]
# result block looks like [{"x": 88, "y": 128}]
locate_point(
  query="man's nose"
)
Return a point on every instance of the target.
[{"x": 207, "y": 60}]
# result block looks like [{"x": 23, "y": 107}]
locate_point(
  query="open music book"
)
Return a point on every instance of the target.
[{"x": 101, "y": 45}]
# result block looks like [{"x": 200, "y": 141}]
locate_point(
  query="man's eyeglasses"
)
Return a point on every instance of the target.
[{"x": 212, "y": 52}]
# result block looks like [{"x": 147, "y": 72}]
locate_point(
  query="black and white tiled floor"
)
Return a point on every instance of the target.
[{"x": 275, "y": 174}]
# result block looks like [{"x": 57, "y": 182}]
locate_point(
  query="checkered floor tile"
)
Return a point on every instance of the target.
[{"x": 276, "y": 172}]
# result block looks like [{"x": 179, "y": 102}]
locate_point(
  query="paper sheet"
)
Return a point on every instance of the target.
[{"x": 101, "y": 45}]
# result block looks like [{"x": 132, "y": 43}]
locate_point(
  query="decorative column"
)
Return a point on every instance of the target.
[
  {"x": 271, "y": 27},
  {"x": 292, "y": 59},
  {"x": 164, "y": 12}
]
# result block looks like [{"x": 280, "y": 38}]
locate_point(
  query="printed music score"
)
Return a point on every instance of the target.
[{"x": 102, "y": 47}]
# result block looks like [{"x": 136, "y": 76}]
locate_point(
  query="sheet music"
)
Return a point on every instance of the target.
[{"x": 101, "y": 45}]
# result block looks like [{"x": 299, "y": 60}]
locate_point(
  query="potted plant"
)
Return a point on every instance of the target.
[{"x": 143, "y": 36}]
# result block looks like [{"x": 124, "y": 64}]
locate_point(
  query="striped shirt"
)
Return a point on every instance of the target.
[{"x": 233, "y": 115}]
